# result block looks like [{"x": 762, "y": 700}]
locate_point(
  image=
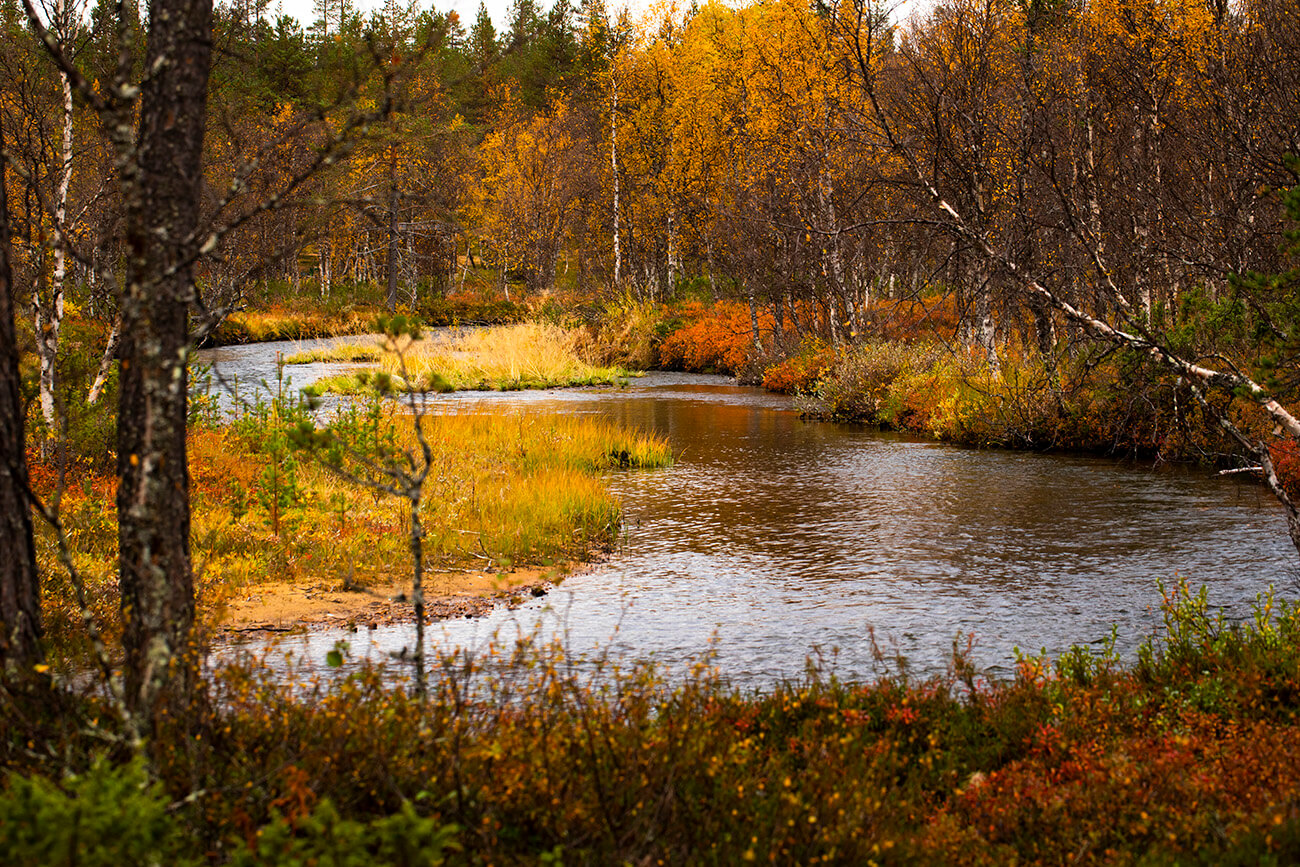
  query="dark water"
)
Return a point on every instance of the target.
[{"x": 772, "y": 537}]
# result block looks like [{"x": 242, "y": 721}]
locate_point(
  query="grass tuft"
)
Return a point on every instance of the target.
[{"x": 530, "y": 355}]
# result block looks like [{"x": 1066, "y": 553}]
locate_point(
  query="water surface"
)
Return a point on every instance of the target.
[{"x": 772, "y": 538}]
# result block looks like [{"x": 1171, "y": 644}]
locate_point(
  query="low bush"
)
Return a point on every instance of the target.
[
  {"x": 800, "y": 373},
  {"x": 525, "y": 754},
  {"x": 1108, "y": 402},
  {"x": 109, "y": 815},
  {"x": 711, "y": 339}
]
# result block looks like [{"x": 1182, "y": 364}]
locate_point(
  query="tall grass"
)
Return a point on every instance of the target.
[
  {"x": 504, "y": 358},
  {"x": 347, "y": 353},
  {"x": 280, "y": 322},
  {"x": 527, "y": 355},
  {"x": 509, "y": 489}
]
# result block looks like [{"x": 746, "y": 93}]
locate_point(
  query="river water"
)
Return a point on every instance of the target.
[{"x": 773, "y": 538}]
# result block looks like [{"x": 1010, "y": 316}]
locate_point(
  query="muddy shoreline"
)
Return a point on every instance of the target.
[{"x": 284, "y": 608}]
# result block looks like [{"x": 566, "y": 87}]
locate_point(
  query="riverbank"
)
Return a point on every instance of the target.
[
  {"x": 910, "y": 372},
  {"x": 277, "y": 314},
  {"x": 279, "y": 607},
  {"x": 276, "y": 533}
]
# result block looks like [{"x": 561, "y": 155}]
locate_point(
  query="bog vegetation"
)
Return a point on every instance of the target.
[
  {"x": 505, "y": 490},
  {"x": 522, "y": 754},
  {"x": 1026, "y": 223},
  {"x": 506, "y": 358}
]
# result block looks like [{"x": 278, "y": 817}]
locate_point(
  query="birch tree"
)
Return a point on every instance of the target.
[{"x": 1109, "y": 314}]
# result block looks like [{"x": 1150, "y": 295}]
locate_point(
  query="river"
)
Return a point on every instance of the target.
[{"x": 773, "y": 538}]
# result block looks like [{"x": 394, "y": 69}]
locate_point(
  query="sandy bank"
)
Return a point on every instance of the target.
[{"x": 277, "y": 607}]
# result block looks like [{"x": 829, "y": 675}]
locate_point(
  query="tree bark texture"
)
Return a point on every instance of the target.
[
  {"x": 20, "y": 613},
  {"x": 161, "y": 185}
]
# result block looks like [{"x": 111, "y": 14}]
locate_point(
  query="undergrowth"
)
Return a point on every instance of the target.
[{"x": 525, "y": 754}]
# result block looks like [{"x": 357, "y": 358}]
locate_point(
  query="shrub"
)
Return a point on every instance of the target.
[
  {"x": 860, "y": 385},
  {"x": 716, "y": 339},
  {"x": 624, "y": 332},
  {"x": 324, "y": 837},
  {"x": 800, "y": 373},
  {"x": 107, "y": 816}
]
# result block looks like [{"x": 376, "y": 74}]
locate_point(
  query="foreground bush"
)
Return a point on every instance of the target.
[{"x": 526, "y": 755}]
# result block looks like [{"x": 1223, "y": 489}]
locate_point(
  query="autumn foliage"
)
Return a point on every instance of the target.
[
  {"x": 716, "y": 339},
  {"x": 524, "y": 753}
]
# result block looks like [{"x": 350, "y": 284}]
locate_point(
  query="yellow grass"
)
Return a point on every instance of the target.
[
  {"x": 504, "y": 358},
  {"x": 349, "y": 352},
  {"x": 507, "y": 489}
]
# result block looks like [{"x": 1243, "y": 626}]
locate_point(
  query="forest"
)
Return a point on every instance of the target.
[{"x": 1044, "y": 225}]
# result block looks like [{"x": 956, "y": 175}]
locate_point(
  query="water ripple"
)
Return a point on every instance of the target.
[{"x": 772, "y": 536}]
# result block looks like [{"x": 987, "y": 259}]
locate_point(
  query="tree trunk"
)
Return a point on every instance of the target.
[
  {"x": 392, "y": 229},
  {"x": 106, "y": 362},
  {"x": 326, "y": 257},
  {"x": 161, "y": 188},
  {"x": 613, "y": 165},
  {"x": 778, "y": 320},
  {"x": 20, "y": 613},
  {"x": 49, "y": 311},
  {"x": 755, "y": 337}
]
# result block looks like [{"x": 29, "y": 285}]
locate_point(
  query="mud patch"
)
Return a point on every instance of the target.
[{"x": 284, "y": 607}]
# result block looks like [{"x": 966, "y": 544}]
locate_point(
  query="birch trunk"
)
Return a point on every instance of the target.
[
  {"x": 326, "y": 261},
  {"x": 753, "y": 320},
  {"x": 106, "y": 362},
  {"x": 613, "y": 164},
  {"x": 49, "y": 311}
]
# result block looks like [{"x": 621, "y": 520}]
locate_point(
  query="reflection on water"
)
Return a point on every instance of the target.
[
  {"x": 242, "y": 374},
  {"x": 772, "y": 536}
]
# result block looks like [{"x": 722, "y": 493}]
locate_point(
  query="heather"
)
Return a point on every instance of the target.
[{"x": 522, "y": 753}]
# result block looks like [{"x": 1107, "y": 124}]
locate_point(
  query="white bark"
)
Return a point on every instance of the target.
[
  {"x": 106, "y": 362},
  {"x": 326, "y": 257},
  {"x": 49, "y": 311},
  {"x": 671, "y": 263},
  {"x": 832, "y": 261},
  {"x": 613, "y": 163}
]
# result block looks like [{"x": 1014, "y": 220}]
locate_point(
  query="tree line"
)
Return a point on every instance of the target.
[{"x": 1135, "y": 141}]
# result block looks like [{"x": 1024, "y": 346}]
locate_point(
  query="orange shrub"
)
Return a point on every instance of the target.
[
  {"x": 716, "y": 339},
  {"x": 916, "y": 319},
  {"x": 1285, "y": 455},
  {"x": 801, "y": 372}
]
